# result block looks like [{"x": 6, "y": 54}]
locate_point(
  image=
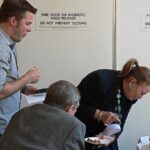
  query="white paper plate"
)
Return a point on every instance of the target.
[{"x": 96, "y": 141}]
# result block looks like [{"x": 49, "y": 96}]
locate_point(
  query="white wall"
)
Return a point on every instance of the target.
[
  {"x": 133, "y": 42},
  {"x": 69, "y": 55}
]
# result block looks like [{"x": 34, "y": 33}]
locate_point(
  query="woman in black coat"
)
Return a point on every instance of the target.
[{"x": 108, "y": 95}]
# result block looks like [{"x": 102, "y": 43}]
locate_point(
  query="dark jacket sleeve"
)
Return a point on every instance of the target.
[
  {"x": 88, "y": 87},
  {"x": 93, "y": 89}
]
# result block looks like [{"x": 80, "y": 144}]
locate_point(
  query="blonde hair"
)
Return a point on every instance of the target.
[{"x": 132, "y": 68}]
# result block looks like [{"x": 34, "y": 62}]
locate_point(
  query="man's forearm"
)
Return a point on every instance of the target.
[{"x": 12, "y": 87}]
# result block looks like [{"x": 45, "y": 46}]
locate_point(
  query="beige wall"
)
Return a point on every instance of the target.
[
  {"x": 71, "y": 55},
  {"x": 132, "y": 41}
]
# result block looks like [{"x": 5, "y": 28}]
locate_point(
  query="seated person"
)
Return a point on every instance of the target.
[{"x": 48, "y": 126}]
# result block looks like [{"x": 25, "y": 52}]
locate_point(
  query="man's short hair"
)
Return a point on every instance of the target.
[
  {"x": 17, "y": 8},
  {"x": 62, "y": 94}
]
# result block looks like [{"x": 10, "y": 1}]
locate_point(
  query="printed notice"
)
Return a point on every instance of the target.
[
  {"x": 145, "y": 21},
  {"x": 62, "y": 21}
]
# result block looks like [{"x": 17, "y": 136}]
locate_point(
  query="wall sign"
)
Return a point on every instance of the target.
[
  {"x": 145, "y": 21},
  {"x": 48, "y": 20}
]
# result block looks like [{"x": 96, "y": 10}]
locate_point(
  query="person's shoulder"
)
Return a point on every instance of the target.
[
  {"x": 38, "y": 108},
  {"x": 104, "y": 71},
  {"x": 4, "y": 48},
  {"x": 70, "y": 119},
  {"x": 30, "y": 109},
  {"x": 76, "y": 120},
  {"x": 34, "y": 106}
]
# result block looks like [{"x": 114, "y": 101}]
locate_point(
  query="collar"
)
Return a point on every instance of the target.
[{"x": 6, "y": 38}]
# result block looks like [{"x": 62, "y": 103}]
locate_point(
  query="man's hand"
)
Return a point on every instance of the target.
[
  {"x": 29, "y": 89},
  {"x": 32, "y": 75}
]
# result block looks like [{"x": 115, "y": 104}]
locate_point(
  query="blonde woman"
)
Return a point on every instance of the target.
[{"x": 108, "y": 95}]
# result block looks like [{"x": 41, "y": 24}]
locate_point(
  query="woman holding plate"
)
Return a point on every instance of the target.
[{"x": 107, "y": 97}]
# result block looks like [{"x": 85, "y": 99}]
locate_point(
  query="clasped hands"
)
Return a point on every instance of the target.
[{"x": 107, "y": 117}]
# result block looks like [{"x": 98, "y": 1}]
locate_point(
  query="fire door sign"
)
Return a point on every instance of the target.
[
  {"x": 51, "y": 20},
  {"x": 145, "y": 21}
]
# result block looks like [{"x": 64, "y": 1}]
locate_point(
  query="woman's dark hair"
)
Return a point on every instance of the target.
[
  {"x": 140, "y": 73},
  {"x": 17, "y": 8}
]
